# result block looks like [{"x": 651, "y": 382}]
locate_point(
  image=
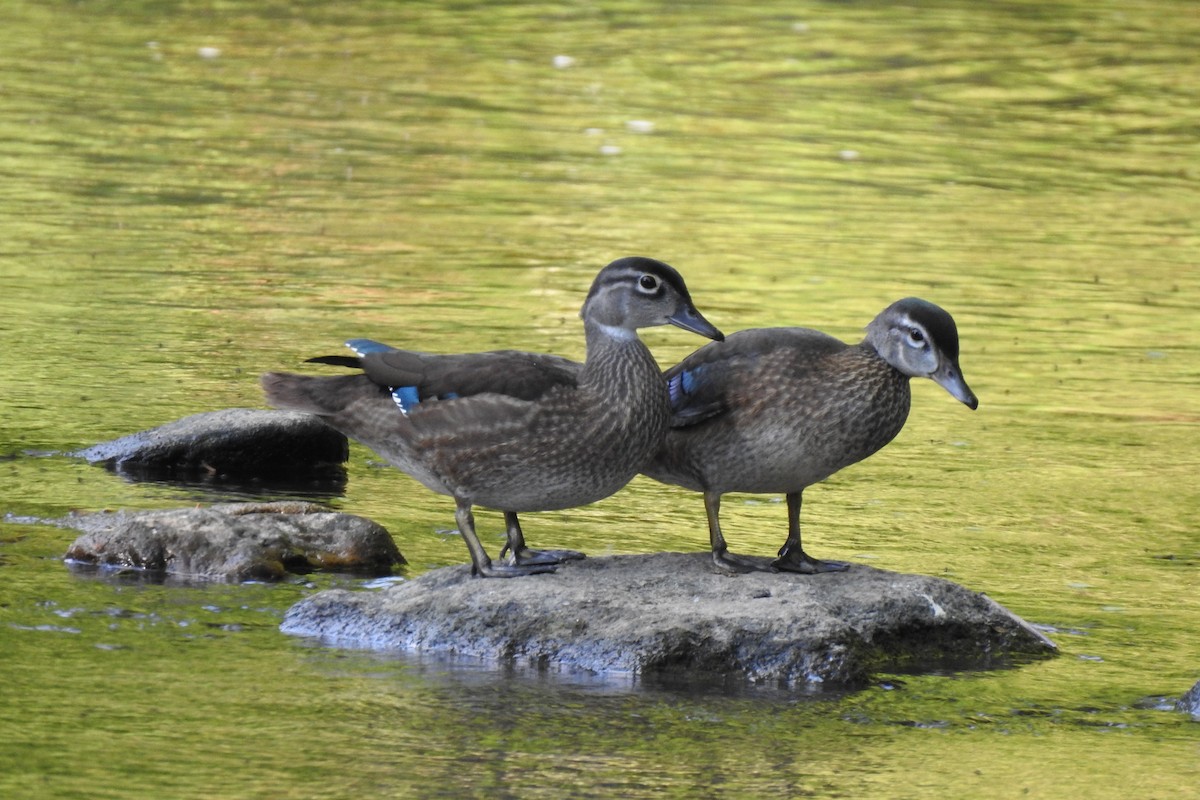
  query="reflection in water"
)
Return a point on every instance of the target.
[
  {"x": 178, "y": 224},
  {"x": 227, "y": 489}
]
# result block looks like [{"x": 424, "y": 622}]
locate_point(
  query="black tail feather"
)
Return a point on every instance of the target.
[{"x": 352, "y": 362}]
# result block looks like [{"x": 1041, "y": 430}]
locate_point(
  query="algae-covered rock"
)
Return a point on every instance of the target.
[{"x": 234, "y": 541}]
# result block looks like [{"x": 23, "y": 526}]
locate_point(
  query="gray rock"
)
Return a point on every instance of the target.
[
  {"x": 234, "y": 541},
  {"x": 233, "y": 444},
  {"x": 1190, "y": 702},
  {"x": 670, "y": 612}
]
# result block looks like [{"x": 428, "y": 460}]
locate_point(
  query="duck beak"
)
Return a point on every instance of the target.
[
  {"x": 950, "y": 378},
  {"x": 688, "y": 318}
]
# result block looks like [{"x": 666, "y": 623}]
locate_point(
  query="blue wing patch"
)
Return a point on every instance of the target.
[
  {"x": 362, "y": 347},
  {"x": 682, "y": 385},
  {"x": 694, "y": 398},
  {"x": 406, "y": 398}
]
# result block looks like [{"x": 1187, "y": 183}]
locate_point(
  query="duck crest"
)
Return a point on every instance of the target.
[{"x": 936, "y": 321}]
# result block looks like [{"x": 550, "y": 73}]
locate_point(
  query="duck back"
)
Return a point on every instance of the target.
[{"x": 777, "y": 409}]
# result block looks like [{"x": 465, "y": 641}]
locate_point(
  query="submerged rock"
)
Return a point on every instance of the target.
[
  {"x": 1190, "y": 702},
  {"x": 669, "y": 612},
  {"x": 234, "y": 541},
  {"x": 235, "y": 444}
]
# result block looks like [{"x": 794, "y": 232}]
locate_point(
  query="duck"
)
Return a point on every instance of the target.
[
  {"x": 509, "y": 430},
  {"x": 775, "y": 410}
]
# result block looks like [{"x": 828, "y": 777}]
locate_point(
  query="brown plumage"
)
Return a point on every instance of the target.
[
  {"x": 515, "y": 431},
  {"x": 774, "y": 410}
]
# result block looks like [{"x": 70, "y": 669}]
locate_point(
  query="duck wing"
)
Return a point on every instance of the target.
[
  {"x": 722, "y": 376},
  {"x": 414, "y": 377}
]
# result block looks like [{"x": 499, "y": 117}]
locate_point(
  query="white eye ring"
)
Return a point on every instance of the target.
[
  {"x": 916, "y": 337},
  {"x": 648, "y": 284}
]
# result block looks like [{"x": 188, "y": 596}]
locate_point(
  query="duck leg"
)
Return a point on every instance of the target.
[
  {"x": 522, "y": 555},
  {"x": 725, "y": 561},
  {"x": 792, "y": 557},
  {"x": 481, "y": 564}
]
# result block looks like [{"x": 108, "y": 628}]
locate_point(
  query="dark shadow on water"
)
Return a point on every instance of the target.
[
  {"x": 316, "y": 482},
  {"x": 123, "y": 575},
  {"x": 298, "y": 571},
  {"x": 326, "y": 484},
  {"x": 505, "y": 682},
  {"x": 477, "y": 675}
]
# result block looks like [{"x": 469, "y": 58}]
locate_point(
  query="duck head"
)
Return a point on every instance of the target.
[
  {"x": 920, "y": 339},
  {"x": 637, "y": 292}
]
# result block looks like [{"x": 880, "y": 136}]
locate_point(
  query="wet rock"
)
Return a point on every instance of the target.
[
  {"x": 1190, "y": 702},
  {"x": 670, "y": 612},
  {"x": 234, "y": 541},
  {"x": 232, "y": 445}
]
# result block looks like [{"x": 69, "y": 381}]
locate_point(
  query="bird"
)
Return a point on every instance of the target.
[
  {"x": 775, "y": 410},
  {"x": 509, "y": 430}
]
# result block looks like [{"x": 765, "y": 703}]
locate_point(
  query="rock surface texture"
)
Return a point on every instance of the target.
[
  {"x": 234, "y": 541},
  {"x": 671, "y": 612},
  {"x": 235, "y": 443},
  {"x": 1190, "y": 702}
]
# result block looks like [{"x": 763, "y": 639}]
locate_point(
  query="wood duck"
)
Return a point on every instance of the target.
[
  {"x": 779, "y": 409},
  {"x": 509, "y": 430}
]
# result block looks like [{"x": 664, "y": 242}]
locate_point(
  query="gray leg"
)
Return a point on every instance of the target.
[
  {"x": 792, "y": 557},
  {"x": 724, "y": 560},
  {"x": 481, "y": 564},
  {"x": 522, "y": 555}
]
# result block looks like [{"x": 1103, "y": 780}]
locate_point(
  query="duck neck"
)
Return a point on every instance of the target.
[
  {"x": 617, "y": 357},
  {"x": 869, "y": 350},
  {"x": 886, "y": 384},
  {"x": 599, "y": 334}
]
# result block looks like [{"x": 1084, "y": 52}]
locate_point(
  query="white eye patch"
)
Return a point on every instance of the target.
[{"x": 914, "y": 333}]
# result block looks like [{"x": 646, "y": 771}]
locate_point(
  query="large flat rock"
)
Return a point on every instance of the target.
[{"x": 666, "y": 612}]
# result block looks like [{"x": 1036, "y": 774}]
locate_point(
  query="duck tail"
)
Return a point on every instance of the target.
[{"x": 312, "y": 395}]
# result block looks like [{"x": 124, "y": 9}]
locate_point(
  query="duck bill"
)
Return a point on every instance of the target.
[
  {"x": 950, "y": 378},
  {"x": 688, "y": 318}
]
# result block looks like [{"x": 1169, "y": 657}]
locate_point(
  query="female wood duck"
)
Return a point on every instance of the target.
[
  {"x": 509, "y": 430},
  {"x": 779, "y": 409}
]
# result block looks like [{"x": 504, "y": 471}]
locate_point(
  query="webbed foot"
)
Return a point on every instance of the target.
[
  {"x": 803, "y": 563},
  {"x": 524, "y": 556},
  {"x": 493, "y": 570},
  {"x": 733, "y": 564},
  {"x": 520, "y": 555}
]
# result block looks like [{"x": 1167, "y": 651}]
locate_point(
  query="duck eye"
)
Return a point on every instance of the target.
[
  {"x": 648, "y": 283},
  {"x": 915, "y": 336}
]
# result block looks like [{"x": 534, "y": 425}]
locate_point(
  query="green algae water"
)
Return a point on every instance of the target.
[{"x": 194, "y": 193}]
